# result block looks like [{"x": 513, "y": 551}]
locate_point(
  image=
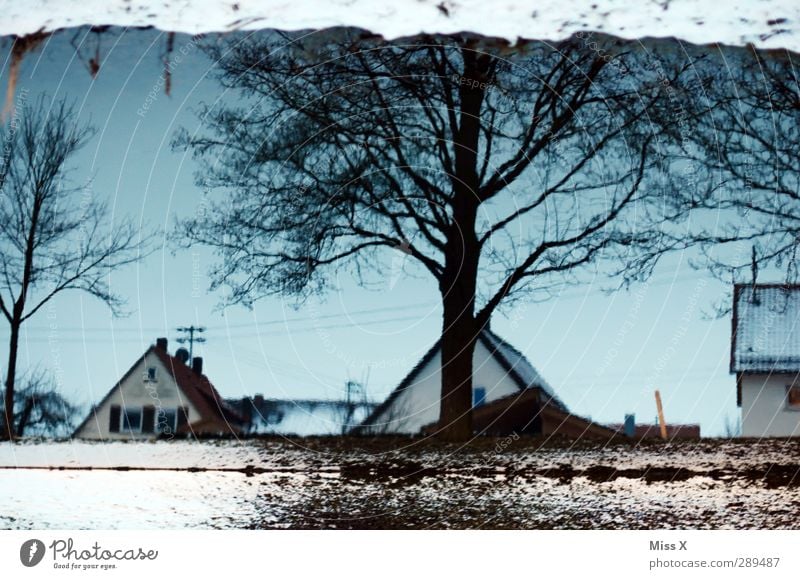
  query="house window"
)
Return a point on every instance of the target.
[
  {"x": 148, "y": 419},
  {"x": 793, "y": 396},
  {"x": 113, "y": 423},
  {"x": 478, "y": 396},
  {"x": 167, "y": 420},
  {"x": 151, "y": 374},
  {"x": 132, "y": 420}
]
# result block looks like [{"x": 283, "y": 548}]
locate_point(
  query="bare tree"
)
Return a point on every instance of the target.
[
  {"x": 53, "y": 237},
  {"x": 747, "y": 139},
  {"x": 501, "y": 171},
  {"x": 40, "y": 409}
]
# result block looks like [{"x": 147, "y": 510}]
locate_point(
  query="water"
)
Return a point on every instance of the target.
[{"x": 338, "y": 483}]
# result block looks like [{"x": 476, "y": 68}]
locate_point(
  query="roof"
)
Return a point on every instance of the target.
[
  {"x": 196, "y": 387},
  {"x": 765, "y": 334},
  {"x": 524, "y": 413},
  {"x": 301, "y": 417},
  {"x": 514, "y": 362}
]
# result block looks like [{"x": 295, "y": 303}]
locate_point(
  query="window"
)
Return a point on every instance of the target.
[
  {"x": 478, "y": 396},
  {"x": 793, "y": 396},
  {"x": 151, "y": 374},
  {"x": 132, "y": 420},
  {"x": 113, "y": 422},
  {"x": 148, "y": 419},
  {"x": 167, "y": 420}
]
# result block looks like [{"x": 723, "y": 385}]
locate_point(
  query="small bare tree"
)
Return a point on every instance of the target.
[
  {"x": 40, "y": 409},
  {"x": 500, "y": 171},
  {"x": 53, "y": 237}
]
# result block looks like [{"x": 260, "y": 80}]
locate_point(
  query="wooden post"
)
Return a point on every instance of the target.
[{"x": 661, "y": 422}]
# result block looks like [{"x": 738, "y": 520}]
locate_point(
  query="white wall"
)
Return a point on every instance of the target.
[
  {"x": 136, "y": 392},
  {"x": 764, "y": 411},
  {"x": 418, "y": 405}
]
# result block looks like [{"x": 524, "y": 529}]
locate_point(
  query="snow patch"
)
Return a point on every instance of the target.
[{"x": 764, "y": 23}]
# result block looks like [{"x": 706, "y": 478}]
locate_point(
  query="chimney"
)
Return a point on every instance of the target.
[
  {"x": 161, "y": 344},
  {"x": 197, "y": 365}
]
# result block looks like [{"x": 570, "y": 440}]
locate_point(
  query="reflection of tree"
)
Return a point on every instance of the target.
[
  {"x": 747, "y": 137},
  {"x": 53, "y": 238},
  {"x": 500, "y": 172},
  {"x": 40, "y": 409}
]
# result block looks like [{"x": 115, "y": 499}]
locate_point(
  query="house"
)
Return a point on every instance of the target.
[
  {"x": 509, "y": 396},
  {"x": 300, "y": 417},
  {"x": 765, "y": 357},
  {"x": 161, "y": 395}
]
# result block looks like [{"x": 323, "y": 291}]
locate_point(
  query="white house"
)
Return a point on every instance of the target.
[
  {"x": 765, "y": 356},
  {"x": 160, "y": 395},
  {"x": 509, "y": 395}
]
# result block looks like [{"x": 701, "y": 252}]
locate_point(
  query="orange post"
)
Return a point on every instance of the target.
[{"x": 661, "y": 422}]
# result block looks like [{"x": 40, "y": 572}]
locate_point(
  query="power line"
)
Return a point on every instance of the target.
[
  {"x": 284, "y": 332},
  {"x": 236, "y": 326},
  {"x": 555, "y": 298}
]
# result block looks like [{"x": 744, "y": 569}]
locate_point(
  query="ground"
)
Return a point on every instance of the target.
[{"x": 512, "y": 483}]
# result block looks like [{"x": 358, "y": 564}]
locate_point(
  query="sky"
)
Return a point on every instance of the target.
[{"x": 604, "y": 353}]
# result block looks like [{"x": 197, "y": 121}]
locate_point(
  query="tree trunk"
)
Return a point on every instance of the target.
[
  {"x": 25, "y": 416},
  {"x": 462, "y": 254},
  {"x": 459, "y": 327},
  {"x": 458, "y": 345},
  {"x": 8, "y": 419}
]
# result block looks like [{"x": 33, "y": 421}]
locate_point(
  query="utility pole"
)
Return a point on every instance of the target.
[
  {"x": 191, "y": 330},
  {"x": 352, "y": 388}
]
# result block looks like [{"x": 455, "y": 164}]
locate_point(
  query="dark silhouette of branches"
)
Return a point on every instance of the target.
[
  {"x": 39, "y": 408},
  {"x": 501, "y": 171},
  {"x": 54, "y": 237},
  {"x": 748, "y": 141}
]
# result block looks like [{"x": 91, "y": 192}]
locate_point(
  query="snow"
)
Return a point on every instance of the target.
[
  {"x": 341, "y": 483},
  {"x": 81, "y": 454},
  {"x": 306, "y": 418},
  {"x": 764, "y": 23},
  {"x": 767, "y": 329}
]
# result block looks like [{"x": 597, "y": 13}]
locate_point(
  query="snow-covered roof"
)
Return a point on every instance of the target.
[
  {"x": 302, "y": 417},
  {"x": 763, "y": 23},
  {"x": 766, "y": 328}
]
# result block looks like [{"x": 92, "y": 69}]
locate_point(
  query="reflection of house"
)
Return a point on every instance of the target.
[
  {"x": 765, "y": 356},
  {"x": 300, "y": 417},
  {"x": 160, "y": 395},
  {"x": 509, "y": 396}
]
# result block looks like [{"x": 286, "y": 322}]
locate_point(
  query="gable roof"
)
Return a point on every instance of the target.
[
  {"x": 765, "y": 333},
  {"x": 514, "y": 362},
  {"x": 197, "y": 388}
]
